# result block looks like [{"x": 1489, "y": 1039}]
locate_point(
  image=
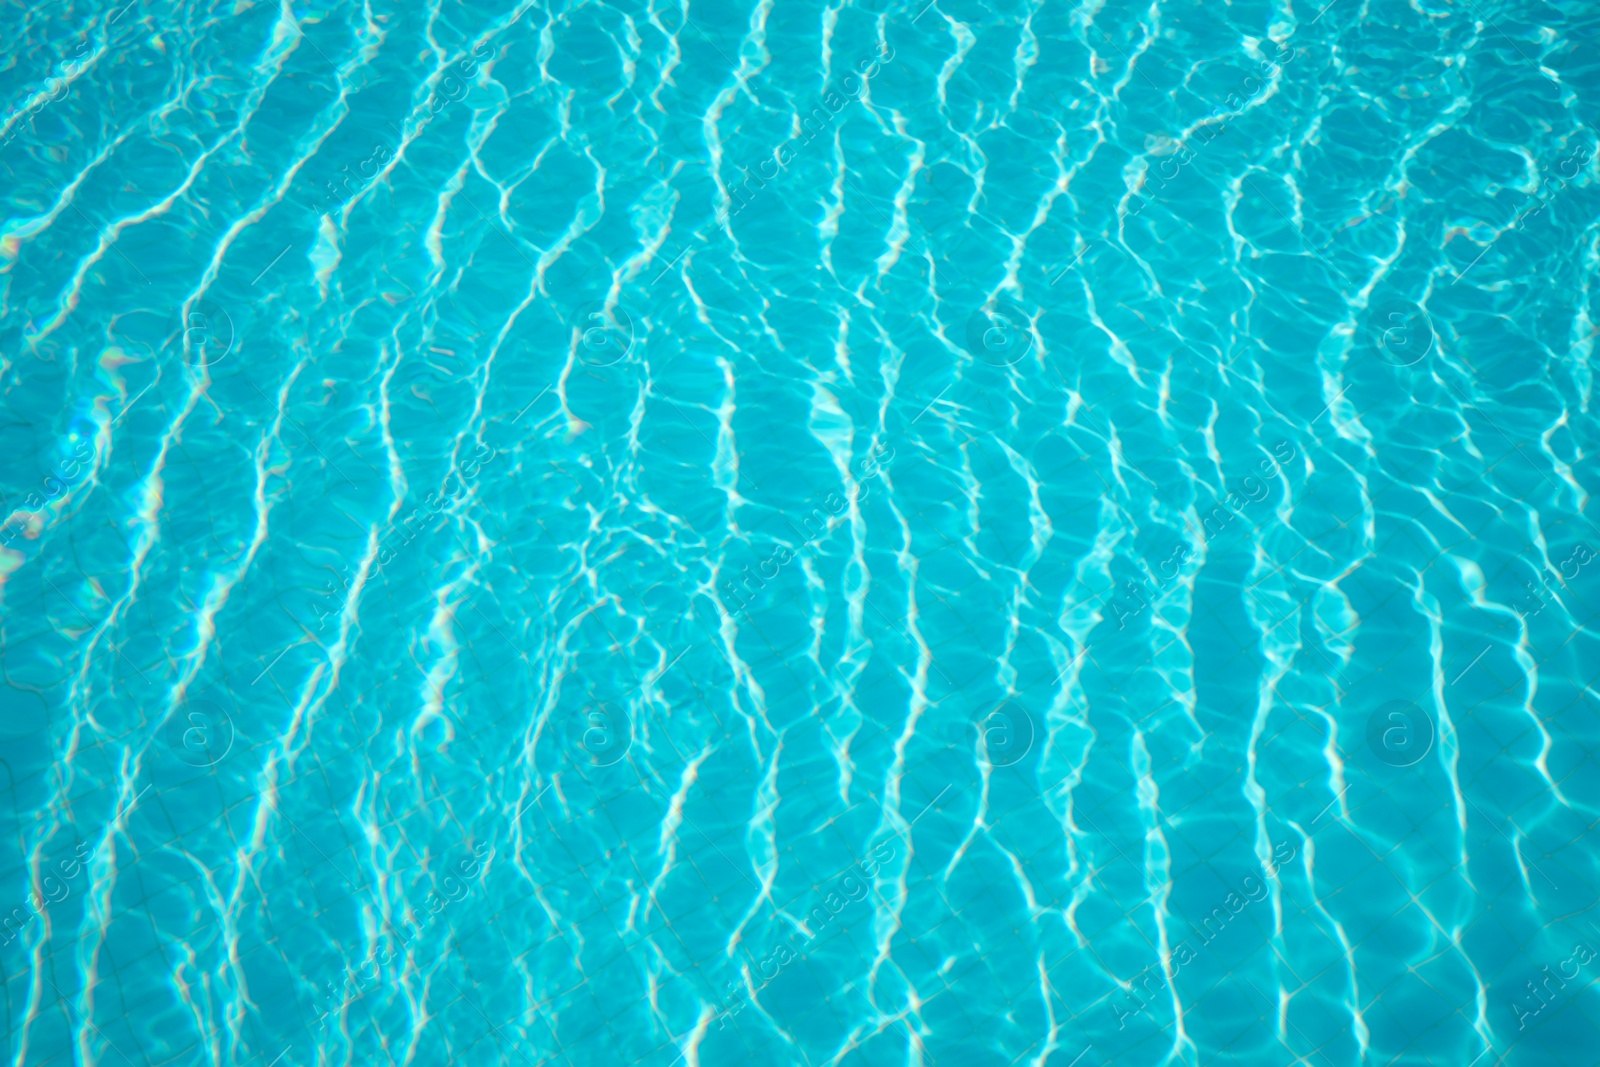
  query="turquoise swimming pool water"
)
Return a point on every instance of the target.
[{"x": 936, "y": 534}]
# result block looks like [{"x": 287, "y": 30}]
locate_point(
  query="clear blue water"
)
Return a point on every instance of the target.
[{"x": 1047, "y": 534}]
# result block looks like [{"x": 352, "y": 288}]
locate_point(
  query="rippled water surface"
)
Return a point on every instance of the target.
[{"x": 959, "y": 534}]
